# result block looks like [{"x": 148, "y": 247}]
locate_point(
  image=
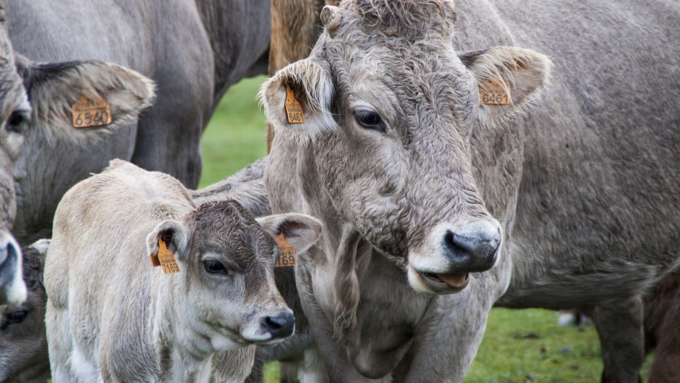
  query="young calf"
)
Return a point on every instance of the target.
[
  {"x": 111, "y": 316},
  {"x": 23, "y": 354}
]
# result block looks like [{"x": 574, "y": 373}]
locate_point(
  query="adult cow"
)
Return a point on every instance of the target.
[
  {"x": 45, "y": 92},
  {"x": 406, "y": 168},
  {"x": 193, "y": 49}
]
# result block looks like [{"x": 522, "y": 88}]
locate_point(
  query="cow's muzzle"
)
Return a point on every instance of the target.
[{"x": 12, "y": 287}]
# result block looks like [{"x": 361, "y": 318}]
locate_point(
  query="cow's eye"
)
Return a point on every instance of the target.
[
  {"x": 16, "y": 316},
  {"x": 214, "y": 267},
  {"x": 16, "y": 121},
  {"x": 370, "y": 120}
]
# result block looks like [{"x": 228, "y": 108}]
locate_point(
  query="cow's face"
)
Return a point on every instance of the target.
[
  {"x": 389, "y": 109},
  {"x": 36, "y": 110},
  {"x": 225, "y": 290}
]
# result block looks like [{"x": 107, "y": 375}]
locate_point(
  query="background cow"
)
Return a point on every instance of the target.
[
  {"x": 578, "y": 183},
  {"x": 23, "y": 355},
  {"x": 111, "y": 316}
]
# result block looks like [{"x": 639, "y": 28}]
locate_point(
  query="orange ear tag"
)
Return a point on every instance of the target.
[
  {"x": 91, "y": 111},
  {"x": 165, "y": 258},
  {"x": 286, "y": 253},
  {"x": 293, "y": 108},
  {"x": 494, "y": 93}
]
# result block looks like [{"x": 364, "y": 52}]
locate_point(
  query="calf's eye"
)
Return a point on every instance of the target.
[
  {"x": 16, "y": 317},
  {"x": 214, "y": 267},
  {"x": 369, "y": 119},
  {"x": 16, "y": 121}
]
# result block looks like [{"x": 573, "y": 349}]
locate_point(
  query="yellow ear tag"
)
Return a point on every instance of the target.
[
  {"x": 91, "y": 111},
  {"x": 293, "y": 108},
  {"x": 494, "y": 93},
  {"x": 165, "y": 258},
  {"x": 286, "y": 253}
]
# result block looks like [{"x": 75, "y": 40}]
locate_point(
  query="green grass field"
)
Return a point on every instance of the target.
[{"x": 519, "y": 345}]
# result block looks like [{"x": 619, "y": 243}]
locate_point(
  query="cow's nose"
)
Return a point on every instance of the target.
[
  {"x": 280, "y": 326},
  {"x": 473, "y": 247}
]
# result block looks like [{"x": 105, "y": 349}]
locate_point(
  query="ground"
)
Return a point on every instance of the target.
[{"x": 519, "y": 345}]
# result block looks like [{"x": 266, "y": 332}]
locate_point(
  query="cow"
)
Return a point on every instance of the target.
[
  {"x": 193, "y": 50},
  {"x": 443, "y": 191},
  {"x": 23, "y": 357},
  {"x": 111, "y": 316}
]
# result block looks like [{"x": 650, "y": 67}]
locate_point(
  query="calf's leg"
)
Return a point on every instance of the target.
[{"x": 620, "y": 327}]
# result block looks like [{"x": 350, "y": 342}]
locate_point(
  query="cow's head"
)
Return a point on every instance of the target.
[
  {"x": 36, "y": 101},
  {"x": 225, "y": 289},
  {"x": 389, "y": 110}
]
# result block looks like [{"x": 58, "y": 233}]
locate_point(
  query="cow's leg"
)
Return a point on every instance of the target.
[
  {"x": 447, "y": 339},
  {"x": 666, "y": 365},
  {"x": 619, "y": 326},
  {"x": 60, "y": 344}
]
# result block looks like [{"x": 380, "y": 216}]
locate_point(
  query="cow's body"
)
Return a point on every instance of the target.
[
  {"x": 585, "y": 185},
  {"x": 194, "y": 50},
  {"x": 114, "y": 317}
]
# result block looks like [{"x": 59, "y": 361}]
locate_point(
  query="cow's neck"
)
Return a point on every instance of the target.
[{"x": 239, "y": 33}]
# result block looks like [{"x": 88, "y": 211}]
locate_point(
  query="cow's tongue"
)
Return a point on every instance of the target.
[{"x": 455, "y": 279}]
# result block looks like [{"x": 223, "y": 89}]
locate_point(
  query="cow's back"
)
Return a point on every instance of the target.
[
  {"x": 98, "y": 259},
  {"x": 599, "y": 179}
]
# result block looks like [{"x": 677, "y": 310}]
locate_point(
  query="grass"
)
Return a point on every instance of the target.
[{"x": 519, "y": 345}]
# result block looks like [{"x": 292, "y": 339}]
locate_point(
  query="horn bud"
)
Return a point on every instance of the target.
[
  {"x": 451, "y": 6},
  {"x": 330, "y": 17}
]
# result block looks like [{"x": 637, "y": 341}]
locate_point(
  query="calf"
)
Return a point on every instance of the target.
[
  {"x": 112, "y": 317},
  {"x": 23, "y": 356}
]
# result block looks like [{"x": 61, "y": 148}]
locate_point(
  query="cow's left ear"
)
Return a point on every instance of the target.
[
  {"x": 54, "y": 88},
  {"x": 507, "y": 78},
  {"x": 301, "y": 231},
  {"x": 175, "y": 235}
]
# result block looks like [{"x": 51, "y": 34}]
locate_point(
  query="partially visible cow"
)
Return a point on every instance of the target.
[
  {"x": 44, "y": 93},
  {"x": 23, "y": 355},
  {"x": 111, "y": 316},
  {"x": 418, "y": 172},
  {"x": 662, "y": 334}
]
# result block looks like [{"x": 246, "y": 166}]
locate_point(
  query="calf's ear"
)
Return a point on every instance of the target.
[
  {"x": 298, "y": 98},
  {"x": 301, "y": 231},
  {"x": 54, "y": 88},
  {"x": 508, "y": 78},
  {"x": 174, "y": 234}
]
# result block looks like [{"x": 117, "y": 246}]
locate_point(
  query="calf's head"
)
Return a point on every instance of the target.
[
  {"x": 36, "y": 113},
  {"x": 225, "y": 290},
  {"x": 389, "y": 110}
]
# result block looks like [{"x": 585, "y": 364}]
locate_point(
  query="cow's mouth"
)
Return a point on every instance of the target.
[{"x": 455, "y": 280}]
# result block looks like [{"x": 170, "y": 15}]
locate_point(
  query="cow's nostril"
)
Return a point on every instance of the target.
[
  {"x": 280, "y": 326},
  {"x": 472, "y": 251}
]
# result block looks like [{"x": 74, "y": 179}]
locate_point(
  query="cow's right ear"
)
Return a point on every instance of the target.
[
  {"x": 54, "y": 88},
  {"x": 174, "y": 234},
  {"x": 300, "y": 230},
  {"x": 298, "y": 98}
]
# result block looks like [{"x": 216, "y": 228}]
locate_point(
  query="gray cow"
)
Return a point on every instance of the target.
[
  {"x": 112, "y": 317},
  {"x": 194, "y": 50},
  {"x": 45, "y": 93},
  {"x": 23, "y": 350},
  {"x": 413, "y": 155}
]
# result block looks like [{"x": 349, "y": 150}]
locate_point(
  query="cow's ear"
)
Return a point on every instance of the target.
[
  {"x": 298, "y": 98},
  {"x": 175, "y": 235},
  {"x": 54, "y": 88},
  {"x": 508, "y": 78},
  {"x": 301, "y": 231}
]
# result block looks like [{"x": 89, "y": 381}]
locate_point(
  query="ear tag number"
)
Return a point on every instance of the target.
[
  {"x": 91, "y": 111},
  {"x": 494, "y": 93},
  {"x": 165, "y": 258},
  {"x": 287, "y": 256},
  {"x": 293, "y": 108}
]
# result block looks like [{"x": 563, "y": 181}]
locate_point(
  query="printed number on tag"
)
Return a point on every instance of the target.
[{"x": 91, "y": 111}]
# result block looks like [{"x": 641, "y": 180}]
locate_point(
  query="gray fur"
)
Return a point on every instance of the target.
[
  {"x": 193, "y": 49},
  {"x": 23, "y": 355},
  {"x": 584, "y": 184},
  {"x": 112, "y": 316}
]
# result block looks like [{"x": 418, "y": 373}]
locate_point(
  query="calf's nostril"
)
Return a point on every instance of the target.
[
  {"x": 471, "y": 251},
  {"x": 280, "y": 326}
]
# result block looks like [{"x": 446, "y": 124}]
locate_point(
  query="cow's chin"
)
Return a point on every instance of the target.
[{"x": 431, "y": 283}]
